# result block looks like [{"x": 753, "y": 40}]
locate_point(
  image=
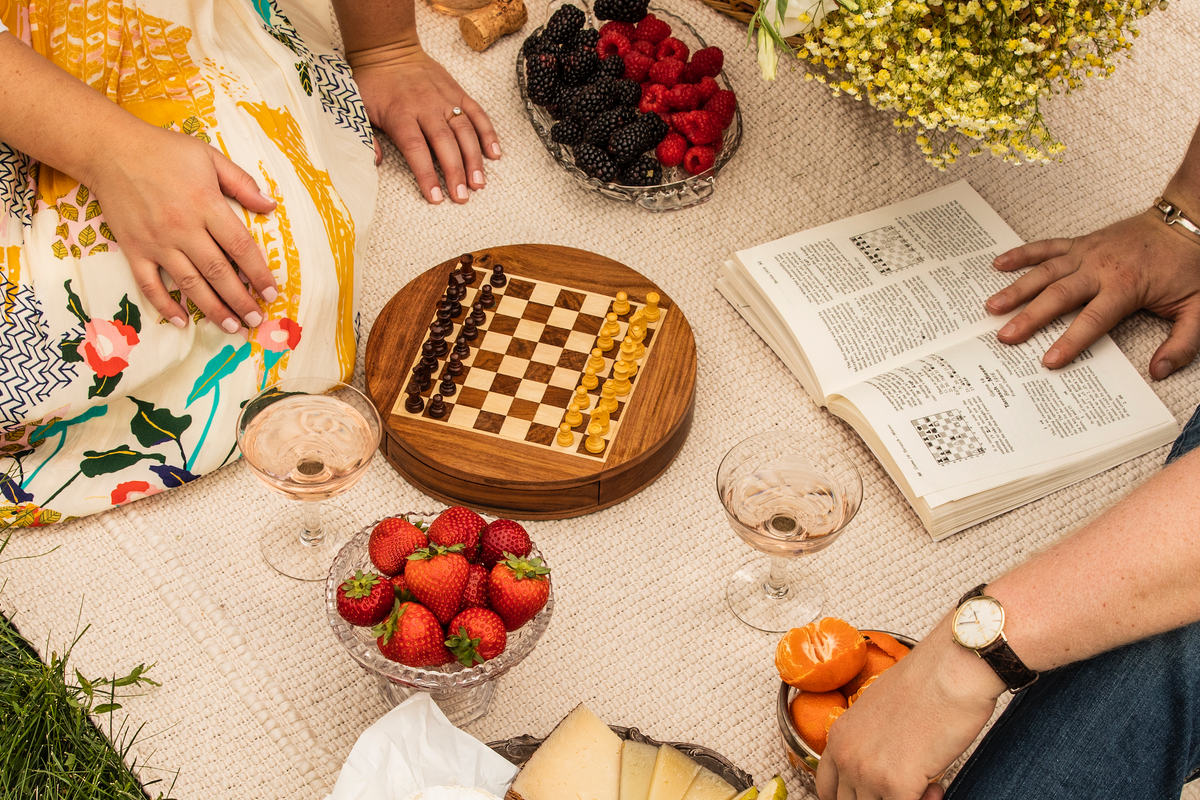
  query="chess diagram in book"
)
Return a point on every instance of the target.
[
  {"x": 887, "y": 250},
  {"x": 532, "y": 381},
  {"x": 948, "y": 436}
]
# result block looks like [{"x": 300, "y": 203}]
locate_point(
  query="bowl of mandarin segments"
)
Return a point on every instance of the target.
[
  {"x": 804, "y": 717},
  {"x": 462, "y": 693}
]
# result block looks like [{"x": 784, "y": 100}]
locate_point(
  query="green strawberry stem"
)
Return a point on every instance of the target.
[{"x": 464, "y": 648}]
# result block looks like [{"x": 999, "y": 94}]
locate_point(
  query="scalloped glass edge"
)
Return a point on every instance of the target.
[
  {"x": 679, "y": 194},
  {"x": 451, "y": 676}
]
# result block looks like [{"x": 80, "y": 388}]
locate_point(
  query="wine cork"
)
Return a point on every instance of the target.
[{"x": 483, "y": 27}]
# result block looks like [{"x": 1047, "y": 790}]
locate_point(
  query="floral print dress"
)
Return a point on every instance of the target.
[{"x": 101, "y": 400}]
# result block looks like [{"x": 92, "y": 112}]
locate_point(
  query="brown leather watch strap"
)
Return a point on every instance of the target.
[{"x": 1000, "y": 656}]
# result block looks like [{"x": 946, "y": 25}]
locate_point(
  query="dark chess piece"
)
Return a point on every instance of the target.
[
  {"x": 447, "y": 386},
  {"x": 461, "y": 348},
  {"x": 437, "y": 407},
  {"x": 422, "y": 377},
  {"x": 477, "y": 315},
  {"x": 428, "y": 356},
  {"x": 470, "y": 331},
  {"x": 486, "y": 297},
  {"x": 453, "y": 294},
  {"x": 438, "y": 340},
  {"x": 414, "y": 404},
  {"x": 468, "y": 271},
  {"x": 498, "y": 279},
  {"x": 443, "y": 316},
  {"x": 454, "y": 366}
]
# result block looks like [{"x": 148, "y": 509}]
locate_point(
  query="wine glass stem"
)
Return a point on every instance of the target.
[
  {"x": 311, "y": 531},
  {"x": 776, "y": 586}
]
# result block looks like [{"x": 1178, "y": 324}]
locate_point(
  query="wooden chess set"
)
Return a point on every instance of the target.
[{"x": 532, "y": 381}]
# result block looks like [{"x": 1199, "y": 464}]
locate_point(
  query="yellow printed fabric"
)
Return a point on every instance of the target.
[{"x": 101, "y": 400}]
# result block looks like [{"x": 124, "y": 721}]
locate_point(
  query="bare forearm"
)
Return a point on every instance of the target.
[
  {"x": 1184, "y": 187},
  {"x": 372, "y": 27}
]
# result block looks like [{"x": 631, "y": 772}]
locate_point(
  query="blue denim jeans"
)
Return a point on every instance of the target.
[{"x": 1122, "y": 725}]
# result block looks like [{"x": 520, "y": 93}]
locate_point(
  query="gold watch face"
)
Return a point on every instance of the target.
[{"x": 978, "y": 622}]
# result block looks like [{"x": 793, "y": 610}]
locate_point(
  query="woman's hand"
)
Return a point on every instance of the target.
[
  {"x": 1136, "y": 263},
  {"x": 412, "y": 98},
  {"x": 163, "y": 194}
]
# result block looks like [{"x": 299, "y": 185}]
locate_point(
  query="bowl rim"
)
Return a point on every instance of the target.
[{"x": 787, "y": 729}]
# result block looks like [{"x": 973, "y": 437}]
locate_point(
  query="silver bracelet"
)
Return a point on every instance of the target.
[{"x": 1173, "y": 216}]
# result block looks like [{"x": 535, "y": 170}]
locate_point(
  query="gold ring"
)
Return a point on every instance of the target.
[{"x": 456, "y": 112}]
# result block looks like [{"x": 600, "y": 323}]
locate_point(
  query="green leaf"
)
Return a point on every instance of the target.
[
  {"x": 129, "y": 314},
  {"x": 106, "y": 232},
  {"x": 93, "y": 210},
  {"x": 153, "y": 426},
  {"x": 87, "y": 236},
  {"x": 68, "y": 211},
  {"x": 105, "y": 463},
  {"x": 103, "y": 387},
  {"x": 75, "y": 305},
  {"x": 104, "y": 708},
  {"x": 60, "y": 250},
  {"x": 219, "y": 366},
  {"x": 191, "y": 125},
  {"x": 81, "y": 197},
  {"x": 70, "y": 350},
  {"x": 100, "y": 248},
  {"x": 84, "y": 683}
]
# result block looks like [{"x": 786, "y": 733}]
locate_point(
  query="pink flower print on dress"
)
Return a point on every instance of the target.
[
  {"x": 278, "y": 335},
  {"x": 132, "y": 490},
  {"x": 107, "y": 344}
]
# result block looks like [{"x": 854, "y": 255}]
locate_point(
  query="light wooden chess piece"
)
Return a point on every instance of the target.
[
  {"x": 621, "y": 384},
  {"x": 589, "y": 380},
  {"x": 652, "y": 310},
  {"x": 608, "y": 396},
  {"x": 604, "y": 341},
  {"x": 621, "y": 304},
  {"x": 596, "y": 359},
  {"x": 611, "y": 324},
  {"x": 573, "y": 417},
  {"x": 601, "y": 416},
  {"x": 565, "y": 438},
  {"x": 629, "y": 355},
  {"x": 593, "y": 442},
  {"x": 638, "y": 334},
  {"x": 581, "y": 399}
]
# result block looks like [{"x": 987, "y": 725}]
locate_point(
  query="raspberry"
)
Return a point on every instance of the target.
[
  {"x": 651, "y": 29},
  {"x": 643, "y": 172},
  {"x": 671, "y": 48},
  {"x": 611, "y": 68},
  {"x": 706, "y": 88},
  {"x": 654, "y": 99},
  {"x": 621, "y": 10},
  {"x": 612, "y": 44},
  {"x": 595, "y": 163},
  {"x": 700, "y": 127},
  {"x": 637, "y": 66},
  {"x": 624, "y": 28},
  {"x": 722, "y": 104},
  {"x": 568, "y": 131},
  {"x": 671, "y": 150},
  {"x": 578, "y": 67},
  {"x": 666, "y": 71},
  {"x": 708, "y": 61},
  {"x": 564, "y": 24},
  {"x": 542, "y": 71},
  {"x": 698, "y": 159},
  {"x": 683, "y": 97},
  {"x": 645, "y": 48}
]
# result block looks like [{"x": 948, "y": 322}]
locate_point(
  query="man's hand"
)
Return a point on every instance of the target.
[
  {"x": 910, "y": 724},
  {"x": 1136, "y": 263}
]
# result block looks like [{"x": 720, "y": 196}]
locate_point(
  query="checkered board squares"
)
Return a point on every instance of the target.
[
  {"x": 887, "y": 250},
  {"x": 525, "y": 363},
  {"x": 948, "y": 436}
]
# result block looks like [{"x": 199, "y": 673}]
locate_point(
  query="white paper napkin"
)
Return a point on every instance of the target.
[{"x": 413, "y": 747}]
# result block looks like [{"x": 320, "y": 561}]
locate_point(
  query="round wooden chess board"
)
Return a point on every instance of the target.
[{"x": 493, "y": 443}]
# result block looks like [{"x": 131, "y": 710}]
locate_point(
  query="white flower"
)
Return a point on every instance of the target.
[{"x": 798, "y": 16}]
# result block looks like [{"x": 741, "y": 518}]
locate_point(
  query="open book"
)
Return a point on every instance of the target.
[{"x": 881, "y": 317}]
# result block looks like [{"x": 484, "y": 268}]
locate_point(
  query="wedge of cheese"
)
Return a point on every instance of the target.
[
  {"x": 673, "y": 774},
  {"x": 637, "y": 768},
  {"x": 580, "y": 760},
  {"x": 708, "y": 785}
]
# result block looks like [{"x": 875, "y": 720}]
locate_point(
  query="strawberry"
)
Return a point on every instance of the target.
[
  {"x": 458, "y": 525},
  {"x": 651, "y": 29},
  {"x": 502, "y": 538},
  {"x": 475, "y": 594},
  {"x": 708, "y": 61},
  {"x": 698, "y": 159},
  {"x": 637, "y": 66},
  {"x": 612, "y": 44},
  {"x": 672, "y": 48},
  {"x": 645, "y": 48},
  {"x": 365, "y": 599},
  {"x": 723, "y": 103},
  {"x": 700, "y": 127},
  {"x": 518, "y": 588},
  {"x": 476, "y": 635},
  {"x": 706, "y": 87},
  {"x": 392, "y": 542},
  {"x": 625, "y": 29},
  {"x": 400, "y": 585},
  {"x": 654, "y": 99},
  {"x": 412, "y": 636},
  {"x": 666, "y": 71},
  {"x": 671, "y": 149},
  {"x": 436, "y": 576},
  {"x": 683, "y": 97}
]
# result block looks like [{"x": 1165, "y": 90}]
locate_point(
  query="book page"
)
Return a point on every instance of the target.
[
  {"x": 866, "y": 294},
  {"x": 980, "y": 413}
]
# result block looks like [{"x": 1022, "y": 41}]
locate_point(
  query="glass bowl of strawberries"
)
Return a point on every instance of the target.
[
  {"x": 440, "y": 603},
  {"x": 630, "y": 101}
]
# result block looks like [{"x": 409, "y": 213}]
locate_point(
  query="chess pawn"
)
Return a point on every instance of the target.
[
  {"x": 565, "y": 438},
  {"x": 652, "y": 311},
  {"x": 461, "y": 348},
  {"x": 604, "y": 342},
  {"x": 593, "y": 442},
  {"x": 454, "y": 366},
  {"x": 498, "y": 279},
  {"x": 621, "y": 385},
  {"x": 611, "y": 325},
  {"x": 628, "y": 354},
  {"x": 413, "y": 404},
  {"x": 596, "y": 359},
  {"x": 456, "y": 308},
  {"x": 573, "y": 417},
  {"x": 581, "y": 399},
  {"x": 608, "y": 396},
  {"x": 470, "y": 331},
  {"x": 438, "y": 340},
  {"x": 477, "y": 315},
  {"x": 428, "y": 356},
  {"x": 621, "y": 304},
  {"x": 600, "y": 416},
  {"x": 589, "y": 380},
  {"x": 437, "y": 407},
  {"x": 638, "y": 334},
  {"x": 447, "y": 387},
  {"x": 422, "y": 377},
  {"x": 468, "y": 271},
  {"x": 486, "y": 297}
]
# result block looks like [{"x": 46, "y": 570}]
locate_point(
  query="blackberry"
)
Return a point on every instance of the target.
[
  {"x": 601, "y": 129},
  {"x": 587, "y": 37},
  {"x": 564, "y": 95},
  {"x": 595, "y": 163},
  {"x": 612, "y": 67},
  {"x": 622, "y": 10},
  {"x": 579, "y": 66},
  {"x": 655, "y": 129},
  {"x": 532, "y": 45},
  {"x": 632, "y": 140},
  {"x": 564, "y": 24},
  {"x": 646, "y": 171},
  {"x": 569, "y": 131},
  {"x": 593, "y": 99},
  {"x": 626, "y": 93},
  {"x": 542, "y": 73}
]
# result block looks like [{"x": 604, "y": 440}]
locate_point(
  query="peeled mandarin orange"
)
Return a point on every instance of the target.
[
  {"x": 851, "y": 699},
  {"x": 831, "y": 717},
  {"x": 887, "y": 643},
  {"x": 809, "y": 710},
  {"x": 877, "y": 662},
  {"x": 821, "y": 656}
]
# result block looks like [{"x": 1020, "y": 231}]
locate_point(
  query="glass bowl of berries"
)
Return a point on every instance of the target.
[
  {"x": 440, "y": 603},
  {"x": 630, "y": 101}
]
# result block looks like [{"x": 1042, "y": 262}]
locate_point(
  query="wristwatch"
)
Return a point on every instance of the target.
[{"x": 978, "y": 625}]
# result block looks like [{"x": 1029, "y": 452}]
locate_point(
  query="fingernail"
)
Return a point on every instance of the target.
[
  {"x": 254, "y": 319},
  {"x": 1008, "y": 330},
  {"x": 1000, "y": 261},
  {"x": 461, "y": 191},
  {"x": 266, "y": 197},
  {"x": 269, "y": 294},
  {"x": 230, "y": 325},
  {"x": 436, "y": 194},
  {"x": 1052, "y": 357},
  {"x": 477, "y": 176},
  {"x": 496, "y": 149},
  {"x": 1161, "y": 369},
  {"x": 179, "y": 322}
]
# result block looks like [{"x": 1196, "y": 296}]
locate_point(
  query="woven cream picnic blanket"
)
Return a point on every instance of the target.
[{"x": 259, "y": 700}]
